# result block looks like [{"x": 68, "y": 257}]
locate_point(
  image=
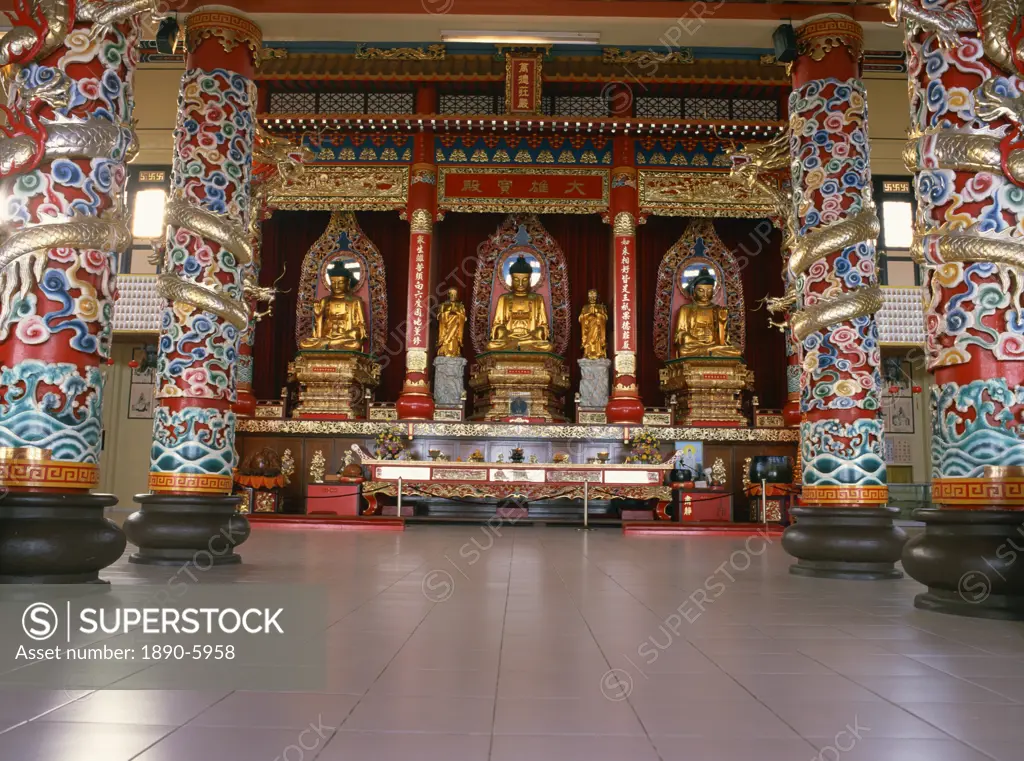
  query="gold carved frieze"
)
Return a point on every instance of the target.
[
  {"x": 363, "y": 187},
  {"x": 564, "y": 432},
  {"x": 429, "y": 53},
  {"x": 647, "y": 58},
  {"x": 700, "y": 194}
]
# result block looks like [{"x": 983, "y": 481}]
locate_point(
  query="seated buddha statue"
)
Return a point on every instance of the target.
[
  {"x": 338, "y": 318},
  {"x": 520, "y": 319},
  {"x": 701, "y": 325}
]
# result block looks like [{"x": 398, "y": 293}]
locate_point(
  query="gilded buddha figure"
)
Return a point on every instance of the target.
[
  {"x": 451, "y": 319},
  {"x": 701, "y": 326},
  {"x": 593, "y": 325},
  {"x": 338, "y": 319},
  {"x": 520, "y": 319}
]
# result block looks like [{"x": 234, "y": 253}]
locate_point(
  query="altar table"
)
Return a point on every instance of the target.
[{"x": 517, "y": 481}]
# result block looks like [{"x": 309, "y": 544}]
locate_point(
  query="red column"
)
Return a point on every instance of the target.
[
  {"x": 624, "y": 404},
  {"x": 965, "y": 65},
  {"x": 416, "y": 402},
  {"x": 208, "y": 246},
  {"x": 67, "y": 139},
  {"x": 834, "y": 265}
]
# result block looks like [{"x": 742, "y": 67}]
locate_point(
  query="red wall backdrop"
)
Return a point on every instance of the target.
[{"x": 585, "y": 241}]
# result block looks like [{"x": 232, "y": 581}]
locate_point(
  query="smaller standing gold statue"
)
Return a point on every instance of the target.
[
  {"x": 594, "y": 322},
  {"x": 521, "y": 318},
  {"x": 451, "y": 320},
  {"x": 338, "y": 319},
  {"x": 701, "y": 326}
]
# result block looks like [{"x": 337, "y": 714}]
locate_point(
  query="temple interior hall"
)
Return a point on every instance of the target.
[{"x": 487, "y": 381}]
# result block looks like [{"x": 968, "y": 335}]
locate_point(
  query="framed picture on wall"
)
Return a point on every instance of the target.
[
  {"x": 140, "y": 400},
  {"x": 898, "y": 414}
]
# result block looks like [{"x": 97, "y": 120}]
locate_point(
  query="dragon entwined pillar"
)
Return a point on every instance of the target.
[
  {"x": 62, "y": 163},
  {"x": 190, "y": 508},
  {"x": 965, "y": 68},
  {"x": 844, "y": 528}
]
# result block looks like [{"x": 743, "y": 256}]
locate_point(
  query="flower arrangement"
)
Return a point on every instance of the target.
[
  {"x": 644, "y": 446},
  {"x": 389, "y": 444}
]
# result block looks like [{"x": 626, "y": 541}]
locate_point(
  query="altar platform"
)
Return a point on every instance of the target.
[{"x": 328, "y": 441}]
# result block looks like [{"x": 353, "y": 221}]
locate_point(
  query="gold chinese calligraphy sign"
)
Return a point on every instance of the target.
[
  {"x": 522, "y": 82},
  {"x": 522, "y": 189}
]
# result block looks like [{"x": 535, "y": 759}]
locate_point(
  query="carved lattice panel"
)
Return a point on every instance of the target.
[
  {"x": 470, "y": 105},
  {"x": 659, "y": 108},
  {"x": 580, "y": 105},
  {"x": 389, "y": 103},
  {"x": 342, "y": 103},
  {"x": 292, "y": 103},
  {"x": 706, "y": 108},
  {"x": 755, "y": 110}
]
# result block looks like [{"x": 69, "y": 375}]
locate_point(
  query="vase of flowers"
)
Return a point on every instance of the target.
[
  {"x": 389, "y": 444},
  {"x": 644, "y": 448}
]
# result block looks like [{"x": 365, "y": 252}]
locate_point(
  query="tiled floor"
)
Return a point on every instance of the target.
[{"x": 547, "y": 643}]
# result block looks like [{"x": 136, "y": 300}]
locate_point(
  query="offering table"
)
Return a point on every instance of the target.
[{"x": 517, "y": 481}]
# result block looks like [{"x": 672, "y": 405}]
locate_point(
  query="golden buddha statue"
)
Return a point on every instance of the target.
[
  {"x": 338, "y": 318},
  {"x": 451, "y": 320},
  {"x": 593, "y": 322},
  {"x": 701, "y": 325},
  {"x": 521, "y": 318}
]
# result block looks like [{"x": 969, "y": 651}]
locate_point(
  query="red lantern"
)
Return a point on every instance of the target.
[
  {"x": 133, "y": 363},
  {"x": 894, "y": 389},
  {"x": 110, "y": 360},
  {"x": 916, "y": 389}
]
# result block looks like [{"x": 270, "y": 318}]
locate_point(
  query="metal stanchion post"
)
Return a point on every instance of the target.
[
  {"x": 586, "y": 507},
  {"x": 399, "y": 508},
  {"x": 764, "y": 504}
]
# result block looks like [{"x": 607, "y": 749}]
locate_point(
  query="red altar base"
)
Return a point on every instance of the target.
[
  {"x": 325, "y": 416},
  {"x": 702, "y": 529},
  {"x": 325, "y": 520}
]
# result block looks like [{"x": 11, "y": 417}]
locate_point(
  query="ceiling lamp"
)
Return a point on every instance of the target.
[{"x": 521, "y": 38}]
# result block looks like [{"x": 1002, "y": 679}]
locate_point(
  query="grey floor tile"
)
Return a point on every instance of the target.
[
  {"x": 87, "y": 741},
  {"x": 398, "y": 746}
]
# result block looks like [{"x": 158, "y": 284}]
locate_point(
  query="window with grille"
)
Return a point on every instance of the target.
[
  {"x": 706, "y": 108},
  {"x": 292, "y": 103},
  {"x": 755, "y": 110},
  {"x": 579, "y": 105},
  {"x": 389, "y": 103},
  {"x": 342, "y": 103},
  {"x": 470, "y": 104},
  {"x": 659, "y": 108}
]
